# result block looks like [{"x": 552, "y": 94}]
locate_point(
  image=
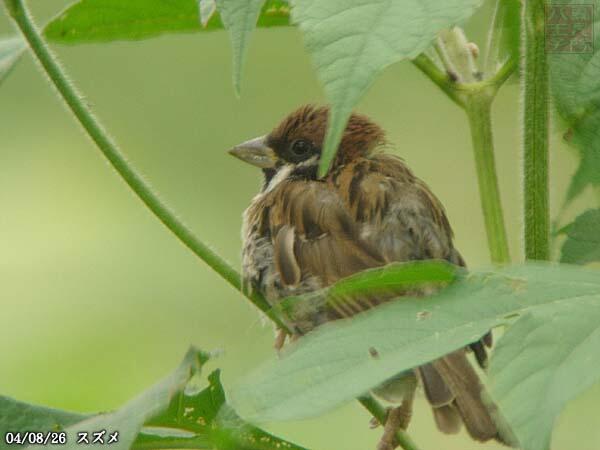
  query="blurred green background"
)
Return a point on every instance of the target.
[{"x": 99, "y": 300}]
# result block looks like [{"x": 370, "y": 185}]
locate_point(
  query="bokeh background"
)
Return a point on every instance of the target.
[{"x": 98, "y": 300}]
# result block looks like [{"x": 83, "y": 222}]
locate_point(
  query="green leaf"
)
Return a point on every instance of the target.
[
  {"x": 504, "y": 39},
  {"x": 19, "y": 417},
  {"x": 175, "y": 413},
  {"x": 389, "y": 281},
  {"x": 575, "y": 86},
  {"x": 239, "y": 17},
  {"x": 336, "y": 362},
  {"x": 352, "y": 41},
  {"x": 11, "y": 50},
  {"x": 129, "y": 419},
  {"x": 583, "y": 239},
  {"x": 549, "y": 357},
  {"x": 110, "y": 20},
  {"x": 208, "y": 416}
]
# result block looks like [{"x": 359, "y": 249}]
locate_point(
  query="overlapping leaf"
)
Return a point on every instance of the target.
[
  {"x": 239, "y": 17},
  {"x": 575, "y": 87},
  {"x": 547, "y": 358},
  {"x": 583, "y": 239},
  {"x": 109, "y": 20},
  {"x": 19, "y": 417},
  {"x": 352, "y": 41},
  {"x": 129, "y": 419},
  {"x": 175, "y": 413},
  {"x": 344, "y": 359}
]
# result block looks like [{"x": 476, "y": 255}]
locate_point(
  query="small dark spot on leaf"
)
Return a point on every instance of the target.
[{"x": 373, "y": 352}]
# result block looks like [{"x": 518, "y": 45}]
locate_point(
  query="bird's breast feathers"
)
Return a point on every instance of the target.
[{"x": 300, "y": 234}]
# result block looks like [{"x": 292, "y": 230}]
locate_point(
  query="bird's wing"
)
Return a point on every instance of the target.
[
  {"x": 400, "y": 215},
  {"x": 314, "y": 235}
]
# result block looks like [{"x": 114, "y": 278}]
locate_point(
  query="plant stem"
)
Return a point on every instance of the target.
[
  {"x": 114, "y": 155},
  {"x": 109, "y": 149},
  {"x": 380, "y": 413},
  {"x": 441, "y": 79},
  {"x": 476, "y": 99},
  {"x": 478, "y": 109},
  {"x": 535, "y": 132}
]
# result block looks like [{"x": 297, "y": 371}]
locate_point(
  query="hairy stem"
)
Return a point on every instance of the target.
[
  {"x": 109, "y": 149},
  {"x": 478, "y": 109},
  {"x": 476, "y": 99},
  {"x": 535, "y": 132},
  {"x": 114, "y": 155}
]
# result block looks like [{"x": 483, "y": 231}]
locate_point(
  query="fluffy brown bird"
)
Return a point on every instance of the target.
[{"x": 302, "y": 233}]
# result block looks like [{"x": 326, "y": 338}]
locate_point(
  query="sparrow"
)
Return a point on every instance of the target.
[{"x": 302, "y": 233}]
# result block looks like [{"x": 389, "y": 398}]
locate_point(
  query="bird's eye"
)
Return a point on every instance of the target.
[{"x": 301, "y": 147}]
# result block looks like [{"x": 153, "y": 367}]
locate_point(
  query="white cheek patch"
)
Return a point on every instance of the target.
[
  {"x": 280, "y": 176},
  {"x": 309, "y": 162}
]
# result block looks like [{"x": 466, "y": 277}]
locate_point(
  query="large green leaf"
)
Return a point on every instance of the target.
[
  {"x": 344, "y": 359},
  {"x": 129, "y": 419},
  {"x": 239, "y": 17},
  {"x": 575, "y": 86},
  {"x": 16, "y": 416},
  {"x": 583, "y": 239},
  {"x": 11, "y": 50},
  {"x": 546, "y": 359},
  {"x": 109, "y": 20},
  {"x": 352, "y": 41},
  {"x": 206, "y": 414},
  {"x": 175, "y": 413}
]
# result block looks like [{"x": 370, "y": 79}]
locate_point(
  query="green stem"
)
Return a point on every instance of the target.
[
  {"x": 478, "y": 109},
  {"x": 109, "y": 149},
  {"x": 535, "y": 133},
  {"x": 441, "y": 79},
  {"x": 380, "y": 413},
  {"x": 476, "y": 99}
]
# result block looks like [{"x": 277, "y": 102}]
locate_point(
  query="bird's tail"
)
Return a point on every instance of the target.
[{"x": 457, "y": 396}]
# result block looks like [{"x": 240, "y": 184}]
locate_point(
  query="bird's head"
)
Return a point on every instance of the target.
[{"x": 295, "y": 144}]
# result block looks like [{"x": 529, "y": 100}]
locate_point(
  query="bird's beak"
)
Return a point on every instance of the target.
[{"x": 255, "y": 152}]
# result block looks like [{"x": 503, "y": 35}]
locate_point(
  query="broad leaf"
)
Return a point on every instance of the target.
[
  {"x": 342, "y": 296},
  {"x": 17, "y": 417},
  {"x": 583, "y": 239},
  {"x": 207, "y": 415},
  {"x": 175, "y": 413},
  {"x": 352, "y": 41},
  {"x": 546, "y": 359},
  {"x": 239, "y": 17},
  {"x": 109, "y": 20},
  {"x": 11, "y": 50},
  {"x": 129, "y": 419},
  {"x": 575, "y": 87},
  {"x": 344, "y": 359}
]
